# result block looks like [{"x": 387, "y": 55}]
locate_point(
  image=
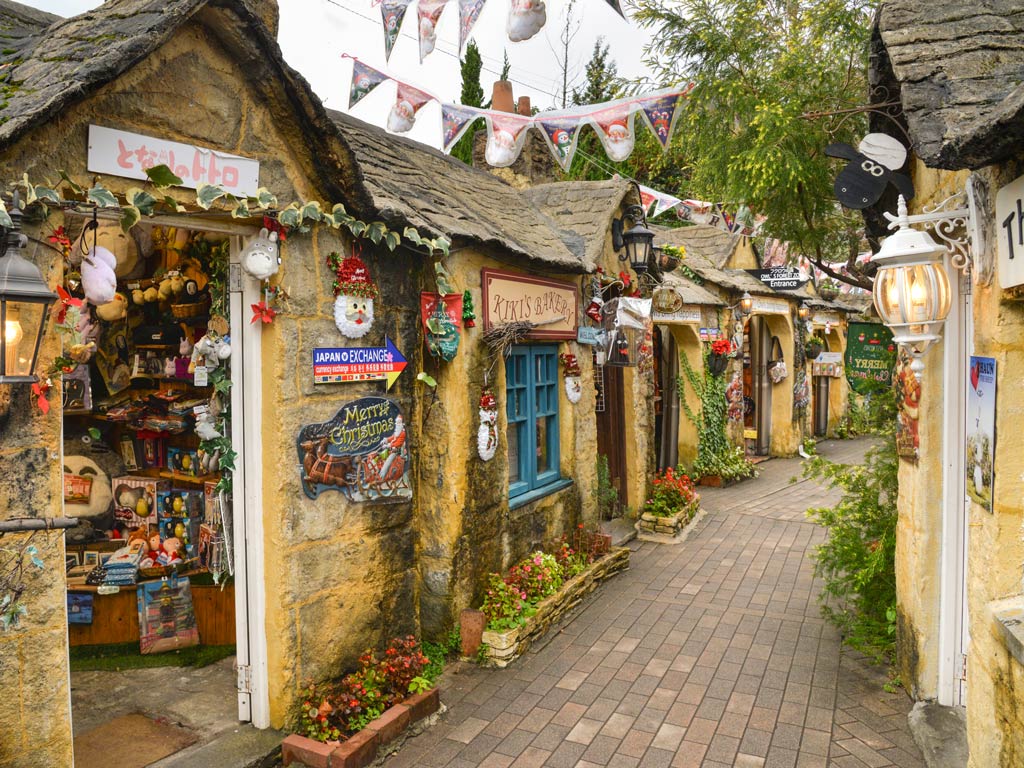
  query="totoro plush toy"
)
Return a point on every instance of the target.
[{"x": 91, "y": 458}]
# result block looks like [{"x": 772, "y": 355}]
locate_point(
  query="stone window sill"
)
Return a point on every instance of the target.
[{"x": 1008, "y": 615}]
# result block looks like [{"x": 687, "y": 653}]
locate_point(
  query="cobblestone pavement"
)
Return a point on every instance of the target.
[{"x": 710, "y": 653}]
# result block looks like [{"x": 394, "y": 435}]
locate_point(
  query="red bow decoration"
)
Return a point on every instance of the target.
[
  {"x": 39, "y": 392},
  {"x": 60, "y": 237},
  {"x": 61, "y": 308},
  {"x": 261, "y": 311}
]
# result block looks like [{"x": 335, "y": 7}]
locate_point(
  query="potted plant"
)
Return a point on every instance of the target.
[
  {"x": 718, "y": 356},
  {"x": 828, "y": 289},
  {"x": 671, "y": 509},
  {"x": 669, "y": 257},
  {"x": 813, "y": 347}
]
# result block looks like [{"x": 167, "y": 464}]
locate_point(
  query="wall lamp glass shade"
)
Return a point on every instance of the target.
[
  {"x": 24, "y": 301},
  {"x": 912, "y": 293},
  {"x": 803, "y": 311},
  {"x": 746, "y": 303},
  {"x": 638, "y": 242}
]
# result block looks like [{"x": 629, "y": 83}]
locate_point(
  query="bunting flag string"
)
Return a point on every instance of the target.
[
  {"x": 613, "y": 121},
  {"x": 469, "y": 12},
  {"x": 429, "y": 12},
  {"x": 392, "y": 12}
]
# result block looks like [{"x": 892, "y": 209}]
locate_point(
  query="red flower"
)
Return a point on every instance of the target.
[
  {"x": 39, "y": 392},
  {"x": 262, "y": 312},
  {"x": 60, "y": 309}
]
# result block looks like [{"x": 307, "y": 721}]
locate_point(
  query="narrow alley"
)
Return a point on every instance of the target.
[{"x": 711, "y": 653}]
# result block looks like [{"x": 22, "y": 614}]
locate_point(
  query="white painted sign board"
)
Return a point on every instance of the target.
[
  {"x": 1009, "y": 226},
  {"x": 122, "y": 153}
]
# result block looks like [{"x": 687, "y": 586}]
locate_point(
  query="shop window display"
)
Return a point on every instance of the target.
[{"x": 146, "y": 427}]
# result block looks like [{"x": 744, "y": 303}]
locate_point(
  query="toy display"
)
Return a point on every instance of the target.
[{"x": 144, "y": 424}]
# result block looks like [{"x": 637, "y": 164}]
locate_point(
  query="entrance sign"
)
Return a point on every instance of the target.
[
  {"x": 126, "y": 154},
  {"x": 780, "y": 278},
  {"x": 551, "y": 305},
  {"x": 361, "y": 452},
  {"x": 1010, "y": 233},
  {"x": 343, "y": 364},
  {"x": 981, "y": 430},
  {"x": 870, "y": 357}
]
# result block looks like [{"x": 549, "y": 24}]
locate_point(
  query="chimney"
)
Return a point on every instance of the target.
[
  {"x": 501, "y": 99},
  {"x": 524, "y": 106}
]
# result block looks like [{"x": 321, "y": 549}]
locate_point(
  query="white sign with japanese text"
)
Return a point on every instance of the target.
[
  {"x": 1010, "y": 233},
  {"x": 121, "y": 153}
]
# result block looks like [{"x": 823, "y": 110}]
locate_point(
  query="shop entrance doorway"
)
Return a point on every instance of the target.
[
  {"x": 611, "y": 427},
  {"x": 820, "y": 395},
  {"x": 757, "y": 387},
  {"x": 666, "y": 400},
  {"x": 165, "y": 581}
]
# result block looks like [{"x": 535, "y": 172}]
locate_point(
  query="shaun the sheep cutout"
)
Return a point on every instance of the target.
[{"x": 872, "y": 167}]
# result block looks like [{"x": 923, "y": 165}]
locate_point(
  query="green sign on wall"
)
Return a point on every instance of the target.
[{"x": 870, "y": 357}]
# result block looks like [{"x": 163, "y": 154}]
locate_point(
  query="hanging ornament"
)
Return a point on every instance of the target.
[
  {"x": 441, "y": 316},
  {"x": 468, "y": 312},
  {"x": 593, "y": 310},
  {"x": 364, "y": 80},
  {"x": 408, "y": 101},
  {"x": 392, "y": 11},
  {"x": 455, "y": 121},
  {"x": 469, "y": 11},
  {"x": 615, "y": 130},
  {"x": 525, "y": 19},
  {"x": 487, "y": 432},
  {"x": 354, "y": 293},
  {"x": 99, "y": 281},
  {"x": 573, "y": 383},
  {"x": 506, "y": 135},
  {"x": 561, "y": 135},
  {"x": 261, "y": 257}
]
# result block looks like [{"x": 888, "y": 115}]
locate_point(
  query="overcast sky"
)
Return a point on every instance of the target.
[{"x": 315, "y": 33}]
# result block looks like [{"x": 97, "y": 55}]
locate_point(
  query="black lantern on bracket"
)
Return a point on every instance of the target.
[
  {"x": 635, "y": 244},
  {"x": 24, "y": 301}
]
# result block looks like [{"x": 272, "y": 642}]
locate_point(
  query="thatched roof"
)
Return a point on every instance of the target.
[
  {"x": 50, "y": 63},
  {"x": 708, "y": 247},
  {"x": 415, "y": 185},
  {"x": 582, "y": 212},
  {"x": 690, "y": 292},
  {"x": 958, "y": 69}
]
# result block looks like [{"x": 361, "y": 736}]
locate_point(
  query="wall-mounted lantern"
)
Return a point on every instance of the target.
[
  {"x": 803, "y": 311},
  {"x": 636, "y": 243},
  {"x": 24, "y": 301}
]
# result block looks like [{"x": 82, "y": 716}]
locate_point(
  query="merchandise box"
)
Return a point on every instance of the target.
[
  {"x": 211, "y": 506},
  {"x": 184, "y": 461},
  {"x": 135, "y": 499}
]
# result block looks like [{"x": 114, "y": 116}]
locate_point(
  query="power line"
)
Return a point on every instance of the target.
[{"x": 449, "y": 53}]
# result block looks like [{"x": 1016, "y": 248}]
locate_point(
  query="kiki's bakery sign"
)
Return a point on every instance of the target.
[{"x": 550, "y": 305}]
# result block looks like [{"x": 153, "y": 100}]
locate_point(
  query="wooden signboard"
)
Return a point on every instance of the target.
[{"x": 551, "y": 305}]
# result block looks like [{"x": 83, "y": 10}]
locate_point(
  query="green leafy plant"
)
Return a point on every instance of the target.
[
  {"x": 420, "y": 684},
  {"x": 505, "y": 606},
  {"x": 857, "y": 561},
  {"x": 671, "y": 493},
  {"x": 715, "y": 454}
]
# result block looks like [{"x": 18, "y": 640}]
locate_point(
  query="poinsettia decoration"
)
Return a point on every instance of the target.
[
  {"x": 264, "y": 311},
  {"x": 60, "y": 238},
  {"x": 64, "y": 301},
  {"x": 273, "y": 225},
  {"x": 40, "y": 390}
]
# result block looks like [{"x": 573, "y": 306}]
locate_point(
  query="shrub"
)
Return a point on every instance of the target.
[
  {"x": 572, "y": 561},
  {"x": 671, "y": 493},
  {"x": 536, "y": 577},
  {"x": 504, "y": 606}
]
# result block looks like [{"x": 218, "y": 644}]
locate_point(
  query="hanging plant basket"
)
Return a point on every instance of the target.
[
  {"x": 828, "y": 292},
  {"x": 813, "y": 348},
  {"x": 717, "y": 363}
]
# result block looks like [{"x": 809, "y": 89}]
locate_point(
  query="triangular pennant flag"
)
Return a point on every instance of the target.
[
  {"x": 364, "y": 80},
  {"x": 408, "y": 101},
  {"x": 616, "y": 7},
  {"x": 660, "y": 113},
  {"x": 469, "y": 12},
  {"x": 429, "y": 12},
  {"x": 455, "y": 120},
  {"x": 561, "y": 135},
  {"x": 648, "y": 197},
  {"x": 392, "y": 11},
  {"x": 615, "y": 129},
  {"x": 506, "y": 135},
  {"x": 664, "y": 203}
]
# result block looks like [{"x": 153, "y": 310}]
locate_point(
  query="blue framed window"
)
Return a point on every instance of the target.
[{"x": 531, "y": 405}]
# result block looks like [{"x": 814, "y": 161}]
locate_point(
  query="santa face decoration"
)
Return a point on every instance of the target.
[
  {"x": 401, "y": 118},
  {"x": 525, "y": 19},
  {"x": 354, "y": 293}
]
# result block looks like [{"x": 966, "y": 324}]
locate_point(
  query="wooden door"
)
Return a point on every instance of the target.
[{"x": 611, "y": 427}]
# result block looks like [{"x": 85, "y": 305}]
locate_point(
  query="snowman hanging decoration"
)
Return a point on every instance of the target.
[
  {"x": 354, "y": 293},
  {"x": 487, "y": 432}
]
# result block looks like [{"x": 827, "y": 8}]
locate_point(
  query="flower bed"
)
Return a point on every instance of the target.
[
  {"x": 541, "y": 589},
  {"x": 345, "y": 722},
  {"x": 671, "y": 510}
]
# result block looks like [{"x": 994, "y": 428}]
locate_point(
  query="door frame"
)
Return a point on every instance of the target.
[
  {"x": 247, "y": 440},
  {"x": 953, "y": 618}
]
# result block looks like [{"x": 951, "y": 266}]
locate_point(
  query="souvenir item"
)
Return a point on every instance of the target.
[
  {"x": 487, "y": 432},
  {"x": 354, "y": 294},
  {"x": 167, "y": 619},
  {"x": 261, "y": 257},
  {"x": 442, "y": 316},
  {"x": 99, "y": 281}
]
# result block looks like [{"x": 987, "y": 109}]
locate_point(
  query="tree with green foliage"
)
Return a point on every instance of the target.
[
  {"x": 472, "y": 96},
  {"x": 775, "y": 83},
  {"x": 601, "y": 77}
]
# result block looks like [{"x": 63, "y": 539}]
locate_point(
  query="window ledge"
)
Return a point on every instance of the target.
[
  {"x": 539, "y": 493},
  {"x": 1009, "y": 619}
]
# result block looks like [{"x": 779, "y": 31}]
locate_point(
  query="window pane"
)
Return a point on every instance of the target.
[
  {"x": 542, "y": 444},
  {"x": 514, "y": 475}
]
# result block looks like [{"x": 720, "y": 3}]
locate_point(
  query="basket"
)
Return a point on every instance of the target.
[{"x": 195, "y": 309}]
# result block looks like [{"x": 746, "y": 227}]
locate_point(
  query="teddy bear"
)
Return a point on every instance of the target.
[
  {"x": 260, "y": 257},
  {"x": 99, "y": 280}
]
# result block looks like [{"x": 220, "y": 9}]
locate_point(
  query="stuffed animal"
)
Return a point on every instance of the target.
[
  {"x": 114, "y": 310},
  {"x": 525, "y": 19},
  {"x": 185, "y": 347},
  {"x": 209, "y": 351},
  {"x": 208, "y": 462},
  {"x": 88, "y": 457},
  {"x": 261, "y": 258},
  {"x": 205, "y": 427},
  {"x": 170, "y": 552},
  {"x": 99, "y": 280}
]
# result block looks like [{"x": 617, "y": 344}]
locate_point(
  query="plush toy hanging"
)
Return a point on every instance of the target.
[
  {"x": 573, "y": 386},
  {"x": 487, "y": 433},
  {"x": 354, "y": 293},
  {"x": 525, "y": 19},
  {"x": 99, "y": 281},
  {"x": 261, "y": 256}
]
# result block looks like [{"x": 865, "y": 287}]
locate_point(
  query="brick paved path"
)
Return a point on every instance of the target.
[{"x": 711, "y": 653}]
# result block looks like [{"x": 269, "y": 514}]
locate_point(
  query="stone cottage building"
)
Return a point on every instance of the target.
[{"x": 956, "y": 73}]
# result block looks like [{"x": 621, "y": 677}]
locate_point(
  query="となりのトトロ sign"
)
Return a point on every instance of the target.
[{"x": 362, "y": 451}]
